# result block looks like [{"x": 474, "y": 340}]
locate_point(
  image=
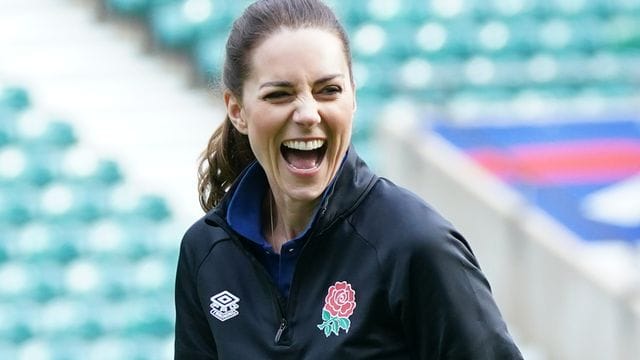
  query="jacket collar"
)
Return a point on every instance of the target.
[
  {"x": 353, "y": 181},
  {"x": 352, "y": 184}
]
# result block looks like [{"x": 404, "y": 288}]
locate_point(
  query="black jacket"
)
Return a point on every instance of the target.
[{"x": 404, "y": 285}]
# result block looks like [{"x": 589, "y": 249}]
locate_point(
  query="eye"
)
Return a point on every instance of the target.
[
  {"x": 276, "y": 95},
  {"x": 331, "y": 90}
]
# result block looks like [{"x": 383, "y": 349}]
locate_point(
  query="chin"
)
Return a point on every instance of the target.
[{"x": 305, "y": 193}]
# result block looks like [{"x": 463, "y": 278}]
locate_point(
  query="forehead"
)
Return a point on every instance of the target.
[{"x": 289, "y": 53}]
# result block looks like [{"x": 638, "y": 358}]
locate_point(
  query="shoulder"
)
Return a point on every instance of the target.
[
  {"x": 403, "y": 226},
  {"x": 200, "y": 238},
  {"x": 394, "y": 211}
]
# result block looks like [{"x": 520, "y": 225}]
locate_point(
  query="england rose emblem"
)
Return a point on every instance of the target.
[{"x": 338, "y": 307}]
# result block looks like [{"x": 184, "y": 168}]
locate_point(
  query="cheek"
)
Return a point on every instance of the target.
[
  {"x": 341, "y": 118},
  {"x": 262, "y": 130}
]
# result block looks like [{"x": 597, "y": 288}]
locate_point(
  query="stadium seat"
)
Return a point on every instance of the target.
[
  {"x": 170, "y": 26},
  {"x": 69, "y": 246},
  {"x": 208, "y": 54},
  {"x": 14, "y": 98},
  {"x": 14, "y": 213},
  {"x": 134, "y": 7}
]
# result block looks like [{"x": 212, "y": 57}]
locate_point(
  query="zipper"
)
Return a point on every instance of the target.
[
  {"x": 281, "y": 329},
  {"x": 282, "y": 310},
  {"x": 265, "y": 275},
  {"x": 283, "y": 321}
]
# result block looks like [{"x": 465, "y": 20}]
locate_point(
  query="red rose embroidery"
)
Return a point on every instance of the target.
[
  {"x": 338, "y": 307},
  {"x": 340, "y": 300}
]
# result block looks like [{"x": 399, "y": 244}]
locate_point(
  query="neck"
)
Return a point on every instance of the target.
[{"x": 286, "y": 219}]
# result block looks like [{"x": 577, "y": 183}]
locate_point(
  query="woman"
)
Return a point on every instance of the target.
[{"x": 305, "y": 253}]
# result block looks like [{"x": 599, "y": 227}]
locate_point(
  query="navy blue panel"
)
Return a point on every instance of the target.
[
  {"x": 562, "y": 201},
  {"x": 506, "y": 136}
]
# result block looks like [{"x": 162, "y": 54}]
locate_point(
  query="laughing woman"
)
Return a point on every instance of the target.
[{"x": 304, "y": 253}]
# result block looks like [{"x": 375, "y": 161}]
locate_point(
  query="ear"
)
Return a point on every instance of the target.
[
  {"x": 234, "y": 111},
  {"x": 355, "y": 103}
]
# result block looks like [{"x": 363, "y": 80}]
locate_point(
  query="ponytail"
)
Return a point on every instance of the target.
[{"x": 226, "y": 155}]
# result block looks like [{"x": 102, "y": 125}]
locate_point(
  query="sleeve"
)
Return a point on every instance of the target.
[
  {"x": 193, "y": 338},
  {"x": 446, "y": 307}
]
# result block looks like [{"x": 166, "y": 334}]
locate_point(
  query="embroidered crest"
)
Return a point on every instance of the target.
[
  {"x": 338, "y": 307},
  {"x": 224, "y": 305}
]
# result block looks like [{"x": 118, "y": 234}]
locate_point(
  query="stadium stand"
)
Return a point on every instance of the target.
[
  {"x": 455, "y": 65},
  {"x": 467, "y": 59},
  {"x": 82, "y": 271}
]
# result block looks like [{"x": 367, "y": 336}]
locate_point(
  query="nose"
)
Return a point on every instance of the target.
[{"x": 306, "y": 113}]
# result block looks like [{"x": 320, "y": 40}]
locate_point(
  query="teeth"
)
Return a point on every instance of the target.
[{"x": 304, "y": 145}]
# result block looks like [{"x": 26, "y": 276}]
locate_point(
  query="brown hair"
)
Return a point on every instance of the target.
[{"x": 228, "y": 151}]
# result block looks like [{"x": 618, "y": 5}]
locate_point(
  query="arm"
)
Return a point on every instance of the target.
[
  {"x": 447, "y": 310},
  {"x": 193, "y": 338}
]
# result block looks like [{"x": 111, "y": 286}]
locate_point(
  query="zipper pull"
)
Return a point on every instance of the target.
[
  {"x": 325, "y": 205},
  {"x": 283, "y": 326}
]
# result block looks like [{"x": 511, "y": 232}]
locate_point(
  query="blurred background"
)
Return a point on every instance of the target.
[{"x": 518, "y": 119}]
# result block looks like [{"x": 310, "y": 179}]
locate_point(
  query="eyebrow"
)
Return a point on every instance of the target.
[{"x": 289, "y": 84}]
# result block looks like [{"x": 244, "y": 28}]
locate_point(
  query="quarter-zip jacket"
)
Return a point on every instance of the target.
[{"x": 405, "y": 282}]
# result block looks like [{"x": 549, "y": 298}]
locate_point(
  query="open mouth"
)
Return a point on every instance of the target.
[{"x": 303, "y": 155}]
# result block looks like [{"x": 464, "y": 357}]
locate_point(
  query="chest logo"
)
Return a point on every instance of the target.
[
  {"x": 224, "y": 305},
  {"x": 338, "y": 307}
]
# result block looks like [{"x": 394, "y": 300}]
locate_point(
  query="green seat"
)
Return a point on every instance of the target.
[
  {"x": 153, "y": 208},
  {"x": 509, "y": 73},
  {"x": 622, "y": 33},
  {"x": 6, "y": 137},
  {"x": 16, "y": 214},
  {"x": 66, "y": 250},
  {"x": 134, "y": 7},
  {"x": 523, "y": 35},
  {"x": 149, "y": 317},
  {"x": 46, "y": 289},
  {"x": 38, "y": 174},
  {"x": 370, "y": 77},
  {"x": 108, "y": 172},
  {"x": 401, "y": 40},
  {"x": 458, "y": 40},
  {"x": 58, "y": 134},
  {"x": 88, "y": 210},
  {"x": 128, "y": 7},
  {"x": 4, "y": 253},
  {"x": 209, "y": 56},
  {"x": 589, "y": 34},
  {"x": 220, "y": 17},
  {"x": 15, "y": 98},
  {"x": 171, "y": 28},
  {"x": 394, "y": 11},
  {"x": 19, "y": 333},
  {"x": 351, "y": 13}
]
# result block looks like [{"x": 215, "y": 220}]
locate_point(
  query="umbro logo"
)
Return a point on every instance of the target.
[{"x": 224, "y": 305}]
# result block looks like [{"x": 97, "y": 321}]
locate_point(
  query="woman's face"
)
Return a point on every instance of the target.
[{"x": 297, "y": 108}]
